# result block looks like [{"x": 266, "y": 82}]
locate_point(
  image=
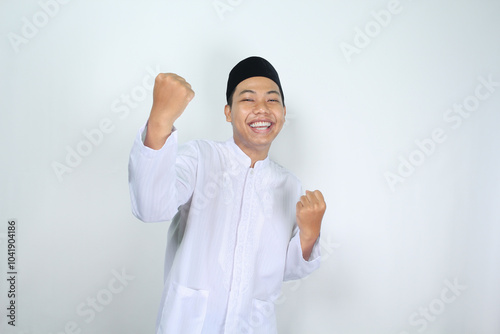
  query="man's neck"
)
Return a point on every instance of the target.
[{"x": 255, "y": 154}]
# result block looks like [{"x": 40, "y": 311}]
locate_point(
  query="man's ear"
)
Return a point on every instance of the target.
[
  {"x": 227, "y": 112},
  {"x": 284, "y": 111}
]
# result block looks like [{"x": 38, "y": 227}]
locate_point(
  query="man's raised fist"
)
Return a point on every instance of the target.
[{"x": 171, "y": 95}]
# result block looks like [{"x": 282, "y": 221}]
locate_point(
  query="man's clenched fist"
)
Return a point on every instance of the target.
[
  {"x": 171, "y": 95},
  {"x": 310, "y": 211}
]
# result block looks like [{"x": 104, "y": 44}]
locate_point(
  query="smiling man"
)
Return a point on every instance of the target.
[{"x": 240, "y": 224}]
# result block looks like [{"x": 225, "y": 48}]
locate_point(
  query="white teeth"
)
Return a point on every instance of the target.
[{"x": 260, "y": 124}]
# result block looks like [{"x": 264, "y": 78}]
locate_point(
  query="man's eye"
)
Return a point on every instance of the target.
[{"x": 247, "y": 100}]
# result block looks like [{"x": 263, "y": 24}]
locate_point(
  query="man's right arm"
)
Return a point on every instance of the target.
[
  {"x": 171, "y": 95},
  {"x": 159, "y": 179}
]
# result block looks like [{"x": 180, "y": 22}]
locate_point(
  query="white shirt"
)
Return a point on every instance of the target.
[{"x": 233, "y": 238}]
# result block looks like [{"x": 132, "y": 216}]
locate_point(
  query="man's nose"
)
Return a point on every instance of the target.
[{"x": 261, "y": 107}]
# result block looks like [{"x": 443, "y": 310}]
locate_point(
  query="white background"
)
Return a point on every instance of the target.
[{"x": 353, "y": 117}]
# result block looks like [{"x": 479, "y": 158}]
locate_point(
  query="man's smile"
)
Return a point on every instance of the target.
[{"x": 260, "y": 126}]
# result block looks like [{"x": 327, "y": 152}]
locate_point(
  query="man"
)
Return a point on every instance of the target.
[{"x": 240, "y": 226}]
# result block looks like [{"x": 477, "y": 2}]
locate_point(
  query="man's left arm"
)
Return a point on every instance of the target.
[
  {"x": 310, "y": 210},
  {"x": 303, "y": 254}
]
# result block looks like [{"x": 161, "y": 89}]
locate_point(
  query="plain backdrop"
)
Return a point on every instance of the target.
[{"x": 393, "y": 113}]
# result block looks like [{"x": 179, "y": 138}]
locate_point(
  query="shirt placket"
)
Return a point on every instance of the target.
[{"x": 239, "y": 282}]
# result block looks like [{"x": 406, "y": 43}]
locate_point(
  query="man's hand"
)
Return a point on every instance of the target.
[
  {"x": 310, "y": 211},
  {"x": 171, "y": 95}
]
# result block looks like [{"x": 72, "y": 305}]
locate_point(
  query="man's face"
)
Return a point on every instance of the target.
[{"x": 257, "y": 113}]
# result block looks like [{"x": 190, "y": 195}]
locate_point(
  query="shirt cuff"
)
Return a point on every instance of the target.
[
  {"x": 149, "y": 152},
  {"x": 316, "y": 251},
  {"x": 298, "y": 266}
]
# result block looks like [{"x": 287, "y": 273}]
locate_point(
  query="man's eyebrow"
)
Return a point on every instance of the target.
[
  {"x": 253, "y": 92},
  {"x": 247, "y": 91},
  {"x": 274, "y": 92}
]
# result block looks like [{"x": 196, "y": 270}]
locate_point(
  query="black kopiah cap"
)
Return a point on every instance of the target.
[{"x": 252, "y": 67}]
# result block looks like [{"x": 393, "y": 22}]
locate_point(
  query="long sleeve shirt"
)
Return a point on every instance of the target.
[{"x": 233, "y": 237}]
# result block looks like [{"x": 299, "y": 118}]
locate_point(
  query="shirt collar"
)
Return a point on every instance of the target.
[{"x": 244, "y": 159}]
